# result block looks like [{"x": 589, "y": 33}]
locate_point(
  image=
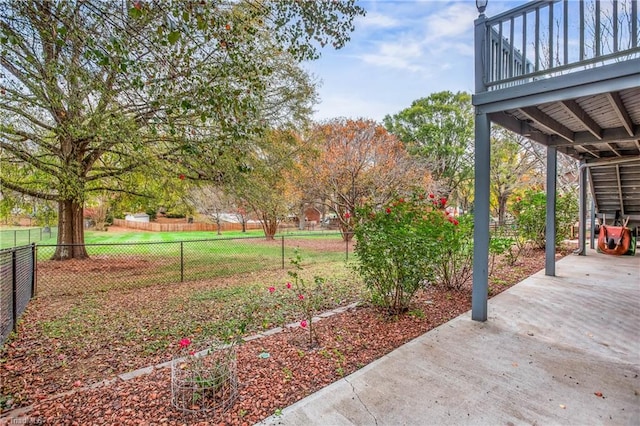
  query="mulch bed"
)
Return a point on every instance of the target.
[{"x": 293, "y": 370}]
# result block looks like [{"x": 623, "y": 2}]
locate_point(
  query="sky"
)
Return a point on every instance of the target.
[{"x": 402, "y": 50}]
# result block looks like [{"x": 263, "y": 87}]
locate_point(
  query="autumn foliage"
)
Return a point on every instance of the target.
[{"x": 358, "y": 162}]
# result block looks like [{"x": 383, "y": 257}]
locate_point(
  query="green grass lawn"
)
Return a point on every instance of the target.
[
  {"x": 142, "y": 259},
  {"x": 17, "y": 236},
  {"x": 96, "y": 237}
]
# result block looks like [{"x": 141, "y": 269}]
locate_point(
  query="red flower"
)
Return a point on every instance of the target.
[
  {"x": 432, "y": 196},
  {"x": 303, "y": 323},
  {"x": 347, "y": 215},
  {"x": 388, "y": 210},
  {"x": 192, "y": 353},
  {"x": 443, "y": 201},
  {"x": 301, "y": 297},
  {"x": 181, "y": 176},
  {"x": 455, "y": 222},
  {"x": 518, "y": 199},
  {"x": 272, "y": 289},
  {"x": 288, "y": 285},
  {"x": 401, "y": 200},
  {"x": 184, "y": 342}
]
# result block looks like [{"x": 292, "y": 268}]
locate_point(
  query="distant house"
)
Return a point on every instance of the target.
[
  {"x": 312, "y": 214},
  {"x": 137, "y": 217}
]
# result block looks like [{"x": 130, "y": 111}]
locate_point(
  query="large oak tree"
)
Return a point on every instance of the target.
[{"x": 91, "y": 91}]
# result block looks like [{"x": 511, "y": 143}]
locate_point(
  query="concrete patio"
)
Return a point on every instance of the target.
[{"x": 555, "y": 350}]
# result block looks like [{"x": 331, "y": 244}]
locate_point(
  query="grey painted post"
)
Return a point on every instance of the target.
[
  {"x": 592, "y": 234},
  {"x": 480, "y": 290},
  {"x": 582, "y": 216},
  {"x": 550, "y": 246},
  {"x": 481, "y": 219}
]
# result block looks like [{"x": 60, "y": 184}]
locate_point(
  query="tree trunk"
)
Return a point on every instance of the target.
[
  {"x": 269, "y": 226},
  {"x": 502, "y": 208},
  {"x": 70, "y": 231},
  {"x": 347, "y": 233}
]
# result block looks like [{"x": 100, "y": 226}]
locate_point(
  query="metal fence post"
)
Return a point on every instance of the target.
[
  {"x": 14, "y": 288},
  {"x": 181, "y": 261},
  {"x": 283, "y": 252},
  {"x": 29, "y": 241},
  {"x": 15, "y": 240},
  {"x": 34, "y": 268}
]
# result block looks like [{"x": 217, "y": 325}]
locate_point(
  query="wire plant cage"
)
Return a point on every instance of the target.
[{"x": 205, "y": 382}]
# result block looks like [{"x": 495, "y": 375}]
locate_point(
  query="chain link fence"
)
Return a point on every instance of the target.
[
  {"x": 17, "y": 285},
  {"x": 21, "y": 237},
  {"x": 138, "y": 265}
]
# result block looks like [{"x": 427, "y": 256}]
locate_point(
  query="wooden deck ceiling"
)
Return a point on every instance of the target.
[{"x": 603, "y": 131}]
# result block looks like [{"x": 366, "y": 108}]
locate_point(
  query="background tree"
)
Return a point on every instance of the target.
[
  {"x": 439, "y": 129},
  {"x": 8, "y": 202},
  {"x": 567, "y": 175},
  {"x": 99, "y": 211},
  {"x": 512, "y": 168},
  {"x": 91, "y": 91},
  {"x": 358, "y": 161},
  {"x": 210, "y": 201},
  {"x": 264, "y": 182}
]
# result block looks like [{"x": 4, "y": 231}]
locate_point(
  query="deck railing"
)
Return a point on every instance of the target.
[{"x": 548, "y": 38}]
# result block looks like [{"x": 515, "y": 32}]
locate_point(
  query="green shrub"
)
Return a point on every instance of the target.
[
  {"x": 403, "y": 246},
  {"x": 530, "y": 213},
  {"x": 454, "y": 266},
  {"x": 153, "y": 213},
  {"x": 172, "y": 215},
  {"x": 498, "y": 245}
]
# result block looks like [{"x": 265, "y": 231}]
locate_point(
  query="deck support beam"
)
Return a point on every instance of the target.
[
  {"x": 480, "y": 291},
  {"x": 582, "y": 211},
  {"x": 482, "y": 147},
  {"x": 550, "y": 233}
]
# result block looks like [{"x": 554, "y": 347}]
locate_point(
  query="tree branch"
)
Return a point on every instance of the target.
[
  {"x": 26, "y": 191},
  {"x": 29, "y": 117},
  {"x": 25, "y": 156},
  {"x": 124, "y": 191}
]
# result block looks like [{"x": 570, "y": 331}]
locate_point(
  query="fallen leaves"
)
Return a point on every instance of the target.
[{"x": 348, "y": 341}]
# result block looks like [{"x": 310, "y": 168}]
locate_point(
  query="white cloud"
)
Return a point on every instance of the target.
[
  {"x": 377, "y": 20},
  {"x": 453, "y": 48},
  {"x": 398, "y": 54},
  {"x": 451, "y": 22}
]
